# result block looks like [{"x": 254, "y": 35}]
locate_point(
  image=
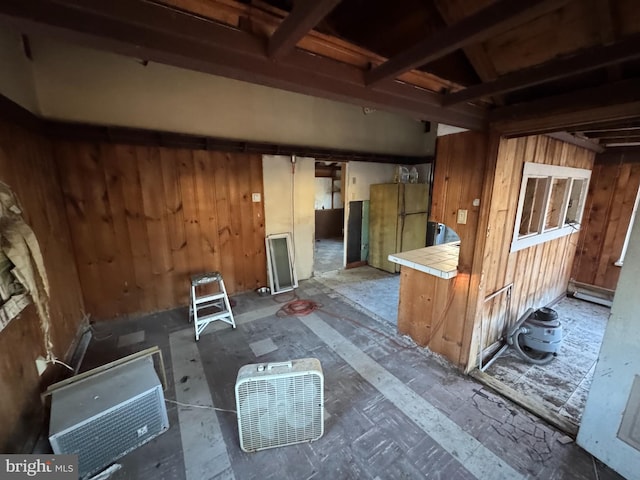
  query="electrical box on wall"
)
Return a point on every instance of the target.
[{"x": 462, "y": 217}]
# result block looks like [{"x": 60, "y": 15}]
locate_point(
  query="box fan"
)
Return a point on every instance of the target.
[{"x": 280, "y": 404}]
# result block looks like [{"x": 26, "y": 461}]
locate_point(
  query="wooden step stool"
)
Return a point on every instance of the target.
[{"x": 215, "y": 304}]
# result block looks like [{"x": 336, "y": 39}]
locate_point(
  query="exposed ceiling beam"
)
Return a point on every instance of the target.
[
  {"x": 604, "y": 126},
  {"x": 602, "y": 12},
  {"x": 452, "y": 12},
  {"x": 612, "y": 132},
  {"x": 624, "y": 139},
  {"x": 585, "y": 61},
  {"x": 497, "y": 17},
  {"x": 161, "y": 34},
  {"x": 580, "y": 142},
  {"x": 613, "y": 101},
  {"x": 306, "y": 14},
  {"x": 603, "y": 15}
]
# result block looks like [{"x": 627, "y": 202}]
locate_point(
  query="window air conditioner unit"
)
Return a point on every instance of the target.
[
  {"x": 280, "y": 404},
  {"x": 103, "y": 417}
]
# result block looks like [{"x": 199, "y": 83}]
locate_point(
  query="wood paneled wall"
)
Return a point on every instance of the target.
[
  {"x": 612, "y": 193},
  {"x": 439, "y": 307},
  {"x": 143, "y": 219},
  {"x": 329, "y": 223},
  {"x": 26, "y": 165},
  {"x": 540, "y": 273}
]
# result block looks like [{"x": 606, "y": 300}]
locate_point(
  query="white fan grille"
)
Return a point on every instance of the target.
[{"x": 280, "y": 410}]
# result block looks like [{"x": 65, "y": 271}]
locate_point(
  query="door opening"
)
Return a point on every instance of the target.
[{"x": 329, "y": 217}]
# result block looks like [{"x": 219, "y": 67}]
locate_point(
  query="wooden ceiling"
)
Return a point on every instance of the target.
[{"x": 539, "y": 66}]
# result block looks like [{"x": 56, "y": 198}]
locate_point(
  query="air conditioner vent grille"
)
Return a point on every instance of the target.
[
  {"x": 130, "y": 425},
  {"x": 107, "y": 415}
]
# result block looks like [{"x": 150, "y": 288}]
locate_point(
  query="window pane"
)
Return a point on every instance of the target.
[
  {"x": 576, "y": 201},
  {"x": 533, "y": 205},
  {"x": 556, "y": 201}
]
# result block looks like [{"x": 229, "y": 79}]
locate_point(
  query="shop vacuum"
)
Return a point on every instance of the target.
[{"x": 537, "y": 336}]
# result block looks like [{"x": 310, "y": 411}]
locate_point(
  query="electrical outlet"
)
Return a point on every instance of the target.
[
  {"x": 462, "y": 216},
  {"x": 255, "y": 197}
]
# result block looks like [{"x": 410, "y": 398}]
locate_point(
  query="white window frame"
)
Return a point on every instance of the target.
[
  {"x": 274, "y": 278},
  {"x": 551, "y": 172},
  {"x": 620, "y": 261}
]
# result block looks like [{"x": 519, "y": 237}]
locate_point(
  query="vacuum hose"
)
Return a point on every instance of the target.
[{"x": 513, "y": 339}]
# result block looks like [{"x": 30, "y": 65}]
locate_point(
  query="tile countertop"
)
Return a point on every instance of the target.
[{"x": 438, "y": 260}]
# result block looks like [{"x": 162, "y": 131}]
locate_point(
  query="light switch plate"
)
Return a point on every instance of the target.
[
  {"x": 462, "y": 216},
  {"x": 255, "y": 197}
]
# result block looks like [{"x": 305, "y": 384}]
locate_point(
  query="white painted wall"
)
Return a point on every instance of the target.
[
  {"x": 79, "y": 84},
  {"x": 323, "y": 193},
  {"x": 361, "y": 175},
  {"x": 618, "y": 363},
  {"x": 289, "y": 205},
  {"x": 16, "y": 75}
]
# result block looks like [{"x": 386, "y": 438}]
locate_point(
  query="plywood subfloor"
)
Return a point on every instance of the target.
[
  {"x": 392, "y": 409},
  {"x": 562, "y": 385}
]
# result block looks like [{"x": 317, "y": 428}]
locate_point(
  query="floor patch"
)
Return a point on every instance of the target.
[
  {"x": 131, "y": 339},
  {"x": 205, "y": 452},
  {"x": 263, "y": 347}
]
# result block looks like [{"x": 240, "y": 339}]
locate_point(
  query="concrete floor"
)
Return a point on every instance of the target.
[
  {"x": 374, "y": 291},
  {"x": 328, "y": 255},
  {"x": 392, "y": 410},
  {"x": 562, "y": 385}
]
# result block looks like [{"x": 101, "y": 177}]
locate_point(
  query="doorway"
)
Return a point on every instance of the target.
[{"x": 329, "y": 217}]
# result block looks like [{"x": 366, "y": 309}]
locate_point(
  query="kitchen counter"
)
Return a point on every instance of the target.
[{"x": 439, "y": 260}]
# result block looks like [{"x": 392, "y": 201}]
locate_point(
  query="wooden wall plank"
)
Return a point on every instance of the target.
[
  {"x": 123, "y": 260},
  {"x": 432, "y": 310},
  {"x": 612, "y": 193},
  {"x": 257, "y": 254},
  {"x": 223, "y": 212},
  {"x": 26, "y": 165},
  {"x": 146, "y": 218},
  {"x": 540, "y": 273},
  {"x": 154, "y": 208},
  {"x": 206, "y": 195},
  {"x": 140, "y": 245},
  {"x": 170, "y": 165}
]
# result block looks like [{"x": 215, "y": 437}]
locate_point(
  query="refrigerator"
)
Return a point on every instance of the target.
[{"x": 397, "y": 221}]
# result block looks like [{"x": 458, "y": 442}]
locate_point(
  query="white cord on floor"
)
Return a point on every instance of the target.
[
  {"x": 59, "y": 362},
  {"x": 208, "y": 407}
]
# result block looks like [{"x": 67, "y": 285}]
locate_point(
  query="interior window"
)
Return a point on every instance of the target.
[
  {"x": 551, "y": 202},
  {"x": 555, "y": 206},
  {"x": 536, "y": 188}
]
